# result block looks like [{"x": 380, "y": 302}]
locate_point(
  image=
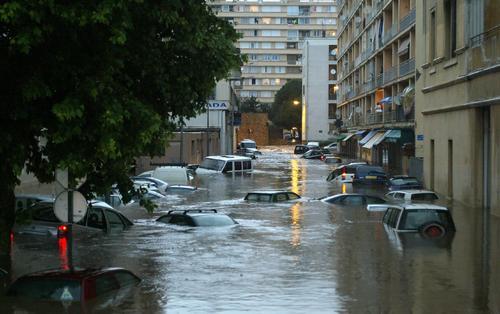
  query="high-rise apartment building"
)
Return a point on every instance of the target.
[
  {"x": 376, "y": 65},
  {"x": 273, "y": 32},
  {"x": 458, "y": 99},
  {"x": 319, "y": 78}
]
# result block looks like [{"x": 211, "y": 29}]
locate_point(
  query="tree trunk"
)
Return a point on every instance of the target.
[{"x": 7, "y": 217}]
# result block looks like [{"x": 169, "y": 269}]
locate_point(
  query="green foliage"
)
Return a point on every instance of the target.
[
  {"x": 101, "y": 82},
  {"x": 283, "y": 112}
]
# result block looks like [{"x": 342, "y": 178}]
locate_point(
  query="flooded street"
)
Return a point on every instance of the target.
[{"x": 299, "y": 257}]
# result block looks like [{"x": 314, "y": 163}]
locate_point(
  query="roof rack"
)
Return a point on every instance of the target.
[{"x": 185, "y": 211}]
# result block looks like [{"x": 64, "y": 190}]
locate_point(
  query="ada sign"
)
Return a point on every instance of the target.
[{"x": 218, "y": 105}]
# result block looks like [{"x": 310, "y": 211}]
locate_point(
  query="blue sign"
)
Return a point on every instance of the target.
[{"x": 420, "y": 137}]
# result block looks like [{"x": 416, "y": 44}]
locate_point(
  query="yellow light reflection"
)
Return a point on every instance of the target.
[
  {"x": 344, "y": 188},
  {"x": 295, "y": 175},
  {"x": 296, "y": 213}
]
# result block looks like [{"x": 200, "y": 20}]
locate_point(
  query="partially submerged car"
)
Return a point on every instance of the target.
[
  {"x": 100, "y": 217},
  {"x": 344, "y": 173},
  {"x": 369, "y": 175},
  {"x": 431, "y": 221},
  {"x": 412, "y": 196},
  {"x": 248, "y": 148},
  {"x": 75, "y": 285},
  {"x": 225, "y": 164},
  {"x": 197, "y": 218},
  {"x": 353, "y": 199},
  {"x": 271, "y": 196},
  {"x": 403, "y": 182}
]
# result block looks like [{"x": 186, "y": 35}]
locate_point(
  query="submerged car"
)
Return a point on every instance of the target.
[
  {"x": 248, "y": 148},
  {"x": 351, "y": 199},
  {"x": 197, "y": 218},
  {"x": 77, "y": 285},
  {"x": 271, "y": 196},
  {"x": 225, "y": 164},
  {"x": 344, "y": 173},
  {"x": 431, "y": 221},
  {"x": 403, "y": 183},
  {"x": 314, "y": 154},
  {"x": 412, "y": 195},
  {"x": 100, "y": 217},
  {"x": 369, "y": 175}
]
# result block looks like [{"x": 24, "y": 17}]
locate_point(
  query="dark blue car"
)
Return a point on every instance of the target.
[
  {"x": 397, "y": 183},
  {"x": 369, "y": 175}
]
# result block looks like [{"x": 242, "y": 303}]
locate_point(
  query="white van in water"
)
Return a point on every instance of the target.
[
  {"x": 173, "y": 175},
  {"x": 225, "y": 164}
]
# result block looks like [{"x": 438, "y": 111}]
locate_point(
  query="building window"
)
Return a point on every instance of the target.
[
  {"x": 432, "y": 35},
  {"x": 332, "y": 109},
  {"x": 451, "y": 27}
]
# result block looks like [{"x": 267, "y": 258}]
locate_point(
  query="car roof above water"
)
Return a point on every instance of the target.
[{"x": 228, "y": 157}]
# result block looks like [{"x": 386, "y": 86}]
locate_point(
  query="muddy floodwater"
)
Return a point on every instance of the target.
[{"x": 299, "y": 257}]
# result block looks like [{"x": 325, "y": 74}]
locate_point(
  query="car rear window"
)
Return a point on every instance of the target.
[
  {"x": 125, "y": 278},
  {"x": 45, "y": 214},
  {"x": 213, "y": 220},
  {"x": 414, "y": 218},
  {"x": 404, "y": 181},
  {"x": 258, "y": 197},
  {"x": 47, "y": 289},
  {"x": 364, "y": 170},
  {"x": 424, "y": 197}
]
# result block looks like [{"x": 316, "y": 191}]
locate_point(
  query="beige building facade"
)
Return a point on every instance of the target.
[
  {"x": 376, "y": 65},
  {"x": 273, "y": 32},
  {"x": 458, "y": 99}
]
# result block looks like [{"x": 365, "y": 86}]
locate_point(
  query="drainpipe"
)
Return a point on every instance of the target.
[{"x": 486, "y": 162}]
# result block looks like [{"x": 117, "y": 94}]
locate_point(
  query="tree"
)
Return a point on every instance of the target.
[
  {"x": 284, "y": 113},
  {"x": 249, "y": 104},
  {"x": 101, "y": 82}
]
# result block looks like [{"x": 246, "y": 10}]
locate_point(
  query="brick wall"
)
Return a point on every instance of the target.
[{"x": 254, "y": 126}]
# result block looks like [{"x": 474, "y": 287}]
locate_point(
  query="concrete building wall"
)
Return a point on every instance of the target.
[
  {"x": 315, "y": 82},
  {"x": 456, "y": 91}
]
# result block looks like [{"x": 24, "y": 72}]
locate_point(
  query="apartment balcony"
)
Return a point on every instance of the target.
[
  {"x": 408, "y": 20},
  {"x": 368, "y": 86},
  {"x": 390, "y": 33},
  {"x": 380, "y": 80},
  {"x": 389, "y": 117},
  {"x": 332, "y": 96},
  {"x": 484, "y": 50},
  {"x": 390, "y": 74},
  {"x": 407, "y": 67}
]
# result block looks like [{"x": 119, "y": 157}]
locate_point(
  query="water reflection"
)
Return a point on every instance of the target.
[
  {"x": 296, "y": 215},
  {"x": 63, "y": 253}
]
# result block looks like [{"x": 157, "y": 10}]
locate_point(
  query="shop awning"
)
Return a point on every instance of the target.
[
  {"x": 361, "y": 132},
  {"x": 397, "y": 136},
  {"x": 348, "y": 137},
  {"x": 382, "y": 138},
  {"x": 367, "y": 137},
  {"x": 339, "y": 137},
  {"x": 375, "y": 138}
]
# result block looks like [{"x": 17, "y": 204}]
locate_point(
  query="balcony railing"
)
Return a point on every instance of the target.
[
  {"x": 407, "y": 20},
  {"x": 484, "y": 50},
  {"x": 380, "y": 80},
  {"x": 390, "y": 74},
  {"x": 393, "y": 116},
  {"x": 406, "y": 67},
  {"x": 390, "y": 33}
]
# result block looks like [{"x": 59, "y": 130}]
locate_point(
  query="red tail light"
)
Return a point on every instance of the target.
[
  {"x": 62, "y": 231},
  {"x": 344, "y": 174}
]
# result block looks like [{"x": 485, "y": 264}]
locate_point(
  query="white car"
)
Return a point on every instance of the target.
[
  {"x": 345, "y": 173},
  {"x": 332, "y": 147},
  {"x": 160, "y": 184},
  {"x": 225, "y": 164},
  {"x": 412, "y": 195}
]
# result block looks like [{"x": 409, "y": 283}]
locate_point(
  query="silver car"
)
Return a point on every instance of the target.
[{"x": 100, "y": 217}]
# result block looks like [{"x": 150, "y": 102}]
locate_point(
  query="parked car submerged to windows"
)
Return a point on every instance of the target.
[
  {"x": 369, "y": 175},
  {"x": 197, "y": 218},
  {"x": 344, "y": 173},
  {"x": 100, "y": 217},
  {"x": 225, "y": 164},
  {"x": 271, "y": 196},
  {"x": 403, "y": 183},
  {"x": 412, "y": 195},
  {"x": 77, "y": 285},
  {"x": 430, "y": 220},
  {"x": 352, "y": 199}
]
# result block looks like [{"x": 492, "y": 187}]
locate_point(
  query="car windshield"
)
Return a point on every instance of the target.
[
  {"x": 414, "y": 218},
  {"x": 404, "y": 181},
  {"x": 213, "y": 220},
  {"x": 212, "y": 164},
  {"x": 248, "y": 145},
  {"x": 424, "y": 197},
  {"x": 47, "y": 288}
]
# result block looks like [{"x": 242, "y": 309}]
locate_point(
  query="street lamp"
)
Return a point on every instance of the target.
[{"x": 296, "y": 102}]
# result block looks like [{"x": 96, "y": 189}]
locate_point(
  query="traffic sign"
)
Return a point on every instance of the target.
[{"x": 79, "y": 206}]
